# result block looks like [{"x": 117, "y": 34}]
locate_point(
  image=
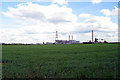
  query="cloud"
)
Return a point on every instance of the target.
[
  {"x": 101, "y": 23},
  {"x": 60, "y": 2},
  {"x": 38, "y": 0},
  {"x": 43, "y": 21},
  {"x": 103, "y": 26},
  {"x": 32, "y": 12},
  {"x": 107, "y": 12},
  {"x": 96, "y": 1},
  {"x": 84, "y": 15}
]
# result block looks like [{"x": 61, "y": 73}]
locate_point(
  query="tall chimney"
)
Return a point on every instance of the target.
[
  {"x": 92, "y": 36},
  {"x": 72, "y": 37},
  {"x": 69, "y": 37}
]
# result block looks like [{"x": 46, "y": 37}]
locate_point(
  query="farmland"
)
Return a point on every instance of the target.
[{"x": 60, "y": 61}]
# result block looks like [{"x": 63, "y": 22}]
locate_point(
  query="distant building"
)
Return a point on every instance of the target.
[
  {"x": 66, "y": 42},
  {"x": 73, "y": 42},
  {"x": 69, "y": 41},
  {"x": 99, "y": 40},
  {"x": 49, "y": 43},
  {"x": 61, "y": 41},
  {"x": 77, "y": 42}
]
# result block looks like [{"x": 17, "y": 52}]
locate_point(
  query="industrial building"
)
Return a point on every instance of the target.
[
  {"x": 66, "y": 42},
  {"x": 96, "y": 40},
  {"x": 100, "y": 40},
  {"x": 61, "y": 41},
  {"x": 70, "y": 41}
]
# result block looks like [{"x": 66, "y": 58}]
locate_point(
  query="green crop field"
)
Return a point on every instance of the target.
[{"x": 60, "y": 61}]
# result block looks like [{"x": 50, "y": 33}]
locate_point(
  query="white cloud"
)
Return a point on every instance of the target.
[
  {"x": 107, "y": 12},
  {"x": 103, "y": 26},
  {"x": 38, "y": 0},
  {"x": 115, "y": 11},
  {"x": 43, "y": 21},
  {"x": 84, "y": 15},
  {"x": 96, "y": 1},
  {"x": 101, "y": 23},
  {"x": 61, "y": 2},
  {"x": 32, "y": 12}
]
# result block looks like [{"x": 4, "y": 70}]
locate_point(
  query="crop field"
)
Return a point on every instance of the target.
[{"x": 60, "y": 61}]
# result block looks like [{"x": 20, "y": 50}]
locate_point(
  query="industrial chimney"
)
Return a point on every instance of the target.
[
  {"x": 92, "y": 36},
  {"x": 72, "y": 37},
  {"x": 69, "y": 37}
]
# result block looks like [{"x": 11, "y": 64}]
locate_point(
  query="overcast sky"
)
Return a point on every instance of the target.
[{"x": 34, "y": 22}]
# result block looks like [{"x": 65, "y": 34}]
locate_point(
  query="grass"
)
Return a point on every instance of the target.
[{"x": 61, "y": 61}]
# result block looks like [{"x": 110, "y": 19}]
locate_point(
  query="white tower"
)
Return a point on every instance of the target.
[{"x": 69, "y": 37}]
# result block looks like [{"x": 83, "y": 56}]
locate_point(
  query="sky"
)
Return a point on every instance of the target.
[{"x": 37, "y": 22}]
